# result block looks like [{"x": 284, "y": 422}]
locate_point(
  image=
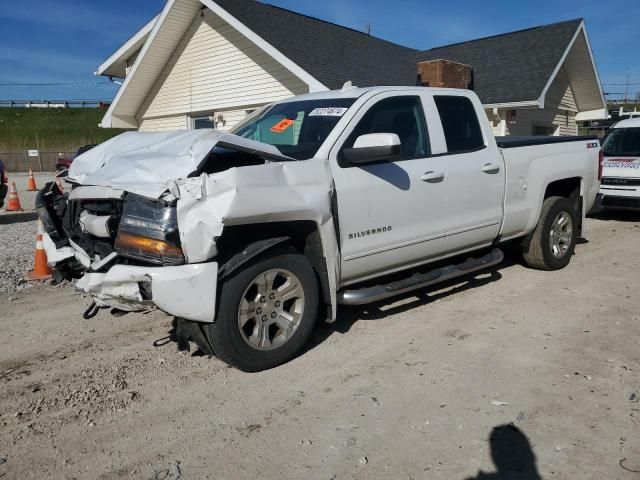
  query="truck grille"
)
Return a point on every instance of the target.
[{"x": 90, "y": 244}]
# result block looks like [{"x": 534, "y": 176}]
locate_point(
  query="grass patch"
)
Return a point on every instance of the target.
[{"x": 58, "y": 129}]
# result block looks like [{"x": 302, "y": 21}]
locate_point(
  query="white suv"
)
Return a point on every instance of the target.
[{"x": 620, "y": 187}]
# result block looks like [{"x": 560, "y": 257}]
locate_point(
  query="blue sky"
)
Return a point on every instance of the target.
[{"x": 62, "y": 41}]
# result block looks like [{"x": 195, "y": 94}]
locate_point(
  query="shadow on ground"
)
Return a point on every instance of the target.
[
  {"x": 184, "y": 332},
  {"x": 349, "y": 315},
  {"x": 512, "y": 456},
  {"x": 22, "y": 217},
  {"x": 631, "y": 216}
]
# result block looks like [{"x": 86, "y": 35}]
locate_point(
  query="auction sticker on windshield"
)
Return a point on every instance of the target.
[
  {"x": 282, "y": 125},
  {"x": 328, "y": 112}
]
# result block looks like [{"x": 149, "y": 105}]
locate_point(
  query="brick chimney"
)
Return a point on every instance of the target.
[{"x": 445, "y": 74}]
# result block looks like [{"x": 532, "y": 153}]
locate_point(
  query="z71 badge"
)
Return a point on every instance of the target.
[{"x": 366, "y": 233}]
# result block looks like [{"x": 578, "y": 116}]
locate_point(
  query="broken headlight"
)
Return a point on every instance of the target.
[{"x": 148, "y": 231}]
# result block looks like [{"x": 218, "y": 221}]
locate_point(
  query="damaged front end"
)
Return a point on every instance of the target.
[
  {"x": 143, "y": 223},
  {"x": 125, "y": 250}
]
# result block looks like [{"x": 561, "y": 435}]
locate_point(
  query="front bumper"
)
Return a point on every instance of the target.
[{"x": 187, "y": 291}]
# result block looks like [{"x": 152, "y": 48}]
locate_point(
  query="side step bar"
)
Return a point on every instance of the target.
[{"x": 419, "y": 280}]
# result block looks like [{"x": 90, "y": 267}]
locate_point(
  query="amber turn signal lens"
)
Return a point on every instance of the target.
[{"x": 143, "y": 247}]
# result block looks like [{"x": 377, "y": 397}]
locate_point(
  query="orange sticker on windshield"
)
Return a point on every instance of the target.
[{"x": 282, "y": 125}]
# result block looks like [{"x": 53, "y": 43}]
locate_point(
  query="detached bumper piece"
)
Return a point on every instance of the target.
[{"x": 187, "y": 291}]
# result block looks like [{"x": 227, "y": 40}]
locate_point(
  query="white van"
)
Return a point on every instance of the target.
[{"x": 620, "y": 186}]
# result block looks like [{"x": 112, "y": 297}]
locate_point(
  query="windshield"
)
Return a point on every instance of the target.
[
  {"x": 297, "y": 129},
  {"x": 622, "y": 142}
]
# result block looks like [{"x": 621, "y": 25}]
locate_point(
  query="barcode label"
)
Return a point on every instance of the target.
[{"x": 328, "y": 112}]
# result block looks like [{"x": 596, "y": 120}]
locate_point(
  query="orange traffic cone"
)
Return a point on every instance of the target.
[
  {"x": 13, "y": 204},
  {"x": 31, "y": 182},
  {"x": 41, "y": 270},
  {"x": 59, "y": 184}
]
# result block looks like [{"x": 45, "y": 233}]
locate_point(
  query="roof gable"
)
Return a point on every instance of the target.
[
  {"x": 333, "y": 54},
  {"x": 513, "y": 67}
]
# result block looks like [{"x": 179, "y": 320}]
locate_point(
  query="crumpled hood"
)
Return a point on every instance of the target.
[{"x": 145, "y": 163}]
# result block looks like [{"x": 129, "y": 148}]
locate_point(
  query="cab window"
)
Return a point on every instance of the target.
[
  {"x": 403, "y": 116},
  {"x": 460, "y": 123}
]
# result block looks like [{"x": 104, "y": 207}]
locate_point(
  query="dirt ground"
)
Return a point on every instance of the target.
[{"x": 417, "y": 388}]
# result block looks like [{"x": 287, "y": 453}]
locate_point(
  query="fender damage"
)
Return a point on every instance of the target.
[{"x": 180, "y": 169}]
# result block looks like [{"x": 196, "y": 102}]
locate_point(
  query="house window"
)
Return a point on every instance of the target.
[
  {"x": 204, "y": 121},
  {"x": 544, "y": 130}
]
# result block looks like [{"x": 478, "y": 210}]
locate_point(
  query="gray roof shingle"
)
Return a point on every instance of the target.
[
  {"x": 331, "y": 53},
  {"x": 510, "y": 67}
]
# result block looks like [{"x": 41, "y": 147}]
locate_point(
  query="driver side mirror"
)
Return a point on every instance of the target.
[{"x": 373, "y": 147}]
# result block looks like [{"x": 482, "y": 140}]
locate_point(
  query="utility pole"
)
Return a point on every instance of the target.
[
  {"x": 367, "y": 27},
  {"x": 39, "y": 154},
  {"x": 626, "y": 88}
]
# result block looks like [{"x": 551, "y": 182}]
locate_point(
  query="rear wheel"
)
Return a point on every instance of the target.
[
  {"x": 266, "y": 312},
  {"x": 553, "y": 241}
]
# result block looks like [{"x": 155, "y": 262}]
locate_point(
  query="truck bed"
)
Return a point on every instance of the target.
[{"x": 512, "y": 142}]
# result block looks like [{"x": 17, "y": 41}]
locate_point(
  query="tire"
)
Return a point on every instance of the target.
[
  {"x": 237, "y": 334},
  {"x": 545, "y": 252}
]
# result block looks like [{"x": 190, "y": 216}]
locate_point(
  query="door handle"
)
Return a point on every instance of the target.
[
  {"x": 432, "y": 177},
  {"x": 491, "y": 168}
]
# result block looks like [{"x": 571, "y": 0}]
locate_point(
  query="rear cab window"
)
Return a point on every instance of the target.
[{"x": 460, "y": 124}]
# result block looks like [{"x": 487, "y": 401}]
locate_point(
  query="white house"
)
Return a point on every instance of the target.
[{"x": 203, "y": 63}]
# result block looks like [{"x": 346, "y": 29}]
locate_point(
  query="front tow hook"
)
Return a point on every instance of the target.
[{"x": 91, "y": 312}]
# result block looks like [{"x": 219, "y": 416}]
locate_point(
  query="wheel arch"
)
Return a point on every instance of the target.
[
  {"x": 571, "y": 188},
  {"x": 240, "y": 244}
]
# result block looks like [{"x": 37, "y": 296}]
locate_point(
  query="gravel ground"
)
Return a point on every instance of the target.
[
  {"x": 17, "y": 241},
  {"x": 18, "y": 235},
  {"x": 535, "y": 371}
]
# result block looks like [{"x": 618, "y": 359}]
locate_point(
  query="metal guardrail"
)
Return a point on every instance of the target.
[{"x": 55, "y": 103}]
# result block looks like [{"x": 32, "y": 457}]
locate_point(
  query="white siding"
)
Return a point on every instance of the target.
[
  {"x": 165, "y": 44},
  {"x": 176, "y": 122},
  {"x": 522, "y": 124},
  {"x": 231, "y": 118},
  {"x": 560, "y": 94},
  {"x": 216, "y": 69},
  {"x": 583, "y": 76}
]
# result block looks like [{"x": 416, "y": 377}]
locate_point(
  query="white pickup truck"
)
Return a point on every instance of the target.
[
  {"x": 620, "y": 187},
  {"x": 342, "y": 197}
]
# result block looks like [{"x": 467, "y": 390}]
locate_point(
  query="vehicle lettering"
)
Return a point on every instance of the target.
[
  {"x": 622, "y": 163},
  {"x": 367, "y": 233}
]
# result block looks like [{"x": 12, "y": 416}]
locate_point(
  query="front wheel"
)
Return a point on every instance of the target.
[
  {"x": 266, "y": 312},
  {"x": 553, "y": 241}
]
